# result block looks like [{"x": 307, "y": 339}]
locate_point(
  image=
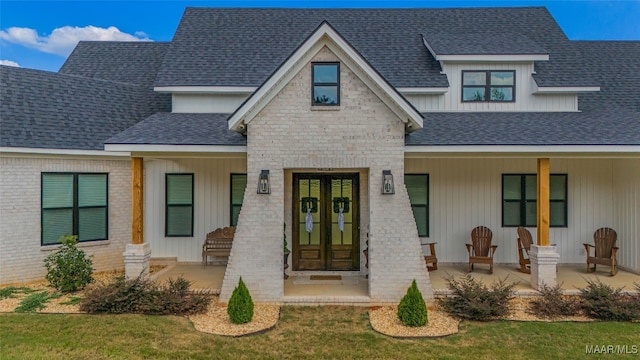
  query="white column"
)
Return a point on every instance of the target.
[{"x": 544, "y": 262}]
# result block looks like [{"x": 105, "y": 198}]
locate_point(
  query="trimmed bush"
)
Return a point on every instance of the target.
[
  {"x": 601, "y": 301},
  {"x": 240, "y": 307},
  {"x": 552, "y": 304},
  {"x": 472, "y": 300},
  {"x": 68, "y": 269},
  {"x": 140, "y": 296},
  {"x": 412, "y": 310}
]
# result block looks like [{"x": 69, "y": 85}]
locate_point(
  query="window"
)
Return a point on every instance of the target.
[
  {"x": 74, "y": 204},
  {"x": 418, "y": 189},
  {"x": 179, "y": 205},
  {"x": 238, "y": 185},
  {"x": 491, "y": 86},
  {"x": 326, "y": 84},
  {"x": 519, "y": 193}
]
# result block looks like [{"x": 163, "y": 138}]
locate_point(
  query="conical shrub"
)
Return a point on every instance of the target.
[
  {"x": 412, "y": 310},
  {"x": 240, "y": 307}
]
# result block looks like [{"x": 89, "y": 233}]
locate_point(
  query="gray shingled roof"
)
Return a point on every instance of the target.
[
  {"x": 128, "y": 62},
  {"x": 593, "y": 127},
  {"x": 615, "y": 66},
  {"x": 610, "y": 116},
  {"x": 482, "y": 43},
  {"x": 181, "y": 129},
  {"x": 242, "y": 47},
  {"x": 49, "y": 110}
]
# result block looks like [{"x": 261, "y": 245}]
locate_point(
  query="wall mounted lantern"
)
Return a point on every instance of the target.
[
  {"x": 263, "y": 183},
  {"x": 387, "y": 183}
]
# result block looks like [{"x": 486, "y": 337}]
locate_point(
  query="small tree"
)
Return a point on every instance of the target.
[
  {"x": 412, "y": 310},
  {"x": 68, "y": 269},
  {"x": 240, "y": 307}
]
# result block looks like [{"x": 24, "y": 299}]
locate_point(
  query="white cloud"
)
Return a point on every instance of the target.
[
  {"x": 62, "y": 40},
  {"x": 9, "y": 63}
]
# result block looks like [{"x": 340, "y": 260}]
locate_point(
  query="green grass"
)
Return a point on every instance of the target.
[{"x": 302, "y": 332}]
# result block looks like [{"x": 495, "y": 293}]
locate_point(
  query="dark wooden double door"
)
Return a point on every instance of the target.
[{"x": 326, "y": 222}]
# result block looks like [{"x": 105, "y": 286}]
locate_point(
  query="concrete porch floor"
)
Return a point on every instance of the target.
[
  {"x": 570, "y": 277},
  {"x": 356, "y": 291}
]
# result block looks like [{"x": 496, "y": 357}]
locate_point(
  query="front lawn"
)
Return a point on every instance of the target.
[{"x": 302, "y": 332}]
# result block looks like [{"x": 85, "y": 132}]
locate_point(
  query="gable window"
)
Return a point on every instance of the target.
[
  {"x": 326, "y": 84},
  {"x": 74, "y": 204},
  {"x": 519, "y": 206},
  {"x": 179, "y": 205},
  {"x": 238, "y": 185},
  {"x": 488, "y": 86},
  {"x": 418, "y": 189}
]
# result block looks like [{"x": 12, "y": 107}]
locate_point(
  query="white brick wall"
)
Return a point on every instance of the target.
[
  {"x": 364, "y": 135},
  {"x": 21, "y": 256}
]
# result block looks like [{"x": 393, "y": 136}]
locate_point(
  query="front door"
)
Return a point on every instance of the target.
[{"x": 325, "y": 218}]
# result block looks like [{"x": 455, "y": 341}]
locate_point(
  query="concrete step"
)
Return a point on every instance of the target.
[{"x": 326, "y": 280}]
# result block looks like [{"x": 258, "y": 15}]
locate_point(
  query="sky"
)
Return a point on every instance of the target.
[{"x": 41, "y": 34}]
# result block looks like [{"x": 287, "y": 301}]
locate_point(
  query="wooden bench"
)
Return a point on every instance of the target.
[
  {"x": 431, "y": 259},
  {"x": 218, "y": 243}
]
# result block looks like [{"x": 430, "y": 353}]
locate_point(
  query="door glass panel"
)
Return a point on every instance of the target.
[
  {"x": 310, "y": 203},
  {"x": 342, "y": 198}
]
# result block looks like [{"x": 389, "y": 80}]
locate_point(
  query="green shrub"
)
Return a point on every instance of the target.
[
  {"x": 33, "y": 302},
  {"x": 68, "y": 269},
  {"x": 240, "y": 307},
  {"x": 9, "y": 291},
  {"x": 603, "y": 302},
  {"x": 472, "y": 299},
  {"x": 552, "y": 304},
  {"x": 141, "y": 296},
  {"x": 412, "y": 310}
]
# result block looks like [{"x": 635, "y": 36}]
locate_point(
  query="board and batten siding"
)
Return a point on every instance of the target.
[
  {"x": 465, "y": 193},
  {"x": 525, "y": 99},
  {"x": 626, "y": 198},
  {"x": 211, "y": 179},
  {"x": 207, "y": 103}
]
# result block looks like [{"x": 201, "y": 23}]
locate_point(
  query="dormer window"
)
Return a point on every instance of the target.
[
  {"x": 488, "y": 86},
  {"x": 326, "y": 84}
]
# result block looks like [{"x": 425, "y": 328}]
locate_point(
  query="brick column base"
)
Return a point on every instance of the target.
[
  {"x": 544, "y": 264},
  {"x": 136, "y": 260}
]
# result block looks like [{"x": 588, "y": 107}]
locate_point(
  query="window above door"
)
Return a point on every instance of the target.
[{"x": 326, "y": 84}]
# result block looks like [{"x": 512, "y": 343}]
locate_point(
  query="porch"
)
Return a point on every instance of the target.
[{"x": 351, "y": 289}]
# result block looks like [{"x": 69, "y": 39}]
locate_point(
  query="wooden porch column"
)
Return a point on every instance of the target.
[
  {"x": 136, "y": 200},
  {"x": 543, "y": 202}
]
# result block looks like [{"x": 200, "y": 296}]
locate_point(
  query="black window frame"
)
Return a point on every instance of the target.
[
  {"x": 75, "y": 208},
  {"x": 523, "y": 200},
  {"x": 231, "y": 203},
  {"x": 314, "y": 84},
  {"x": 166, "y": 204},
  {"x": 487, "y": 86},
  {"x": 426, "y": 206}
]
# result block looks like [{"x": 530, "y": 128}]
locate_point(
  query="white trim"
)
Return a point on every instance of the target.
[
  {"x": 423, "y": 90},
  {"x": 153, "y": 148},
  {"x": 72, "y": 152},
  {"x": 493, "y": 58},
  {"x": 518, "y": 150},
  {"x": 206, "y": 89},
  {"x": 564, "y": 89},
  {"x": 261, "y": 97}
]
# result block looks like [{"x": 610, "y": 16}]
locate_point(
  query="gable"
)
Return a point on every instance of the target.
[{"x": 326, "y": 36}]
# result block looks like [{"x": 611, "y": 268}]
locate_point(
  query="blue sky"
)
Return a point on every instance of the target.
[{"x": 40, "y": 34}]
